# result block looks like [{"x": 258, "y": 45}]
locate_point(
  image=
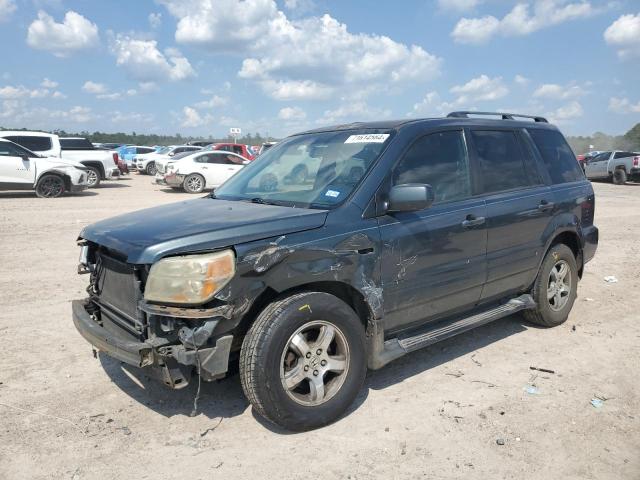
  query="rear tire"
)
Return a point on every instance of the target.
[
  {"x": 193, "y": 183},
  {"x": 619, "y": 177},
  {"x": 555, "y": 289},
  {"x": 303, "y": 361},
  {"x": 50, "y": 186},
  {"x": 93, "y": 177}
]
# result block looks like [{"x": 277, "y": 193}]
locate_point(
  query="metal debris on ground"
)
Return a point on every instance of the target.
[
  {"x": 597, "y": 403},
  {"x": 546, "y": 370},
  {"x": 500, "y": 441},
  {"x": 610, "y": 279}
]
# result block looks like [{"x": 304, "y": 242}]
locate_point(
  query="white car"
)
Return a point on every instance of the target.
[
  {"x": 101, "y": 164},
  {"x": 50, "y": 177},
  {"x": 42, "y": 143},
  {"x": 198, "y": 171},
  {"x": 147, "y": 163}
]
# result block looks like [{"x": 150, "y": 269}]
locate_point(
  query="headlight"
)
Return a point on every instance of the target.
[{"x": 190, "y": 279}]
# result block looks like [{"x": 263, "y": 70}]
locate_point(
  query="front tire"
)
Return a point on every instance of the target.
[
  {"x": 619, "y": 177},
  {"x": 193, "y": 183},
  {"x": 303, "y": 361},
  {"x": 151, "y": 169},
  {"x": 50, "y": 186},
  {"x": 555, "y": 289}
]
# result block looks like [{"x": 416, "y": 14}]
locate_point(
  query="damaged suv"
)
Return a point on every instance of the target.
[{"x": 342, "y": 249}]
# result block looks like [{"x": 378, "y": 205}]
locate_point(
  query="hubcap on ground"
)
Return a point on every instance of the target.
[
  {"x": 314, "y": 363},
  {"x": 194, "y": 184},
  {"x": 559, "y": 286},
  {"x": 92, "y": 178},
  {"x": 51, "y": 187}
]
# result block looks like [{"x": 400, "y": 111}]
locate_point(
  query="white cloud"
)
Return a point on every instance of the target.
[
  {"x": 214, "y": 102},
  {"x": 431, "y": 104},
  {"x": 119, "y": 117},
  {"x": 109, "y": 96},
  {"x": 480, "y": 89},
  {"x": 554, "y": 91},
  {"x": 58, "y": 95},
  {"x": 523, "y": 19},
  {"x": 94, "y": 87},
  {"x": 62, "y": 39},
  {"x": 46, "y": 83},
  {"x": 292, "y": 113},
  {"x": 458, "y": 5},
  {"x": 291, "y": 58},
  {"x": 624, "y": 34},
  {"x": 143, "y": 61},
  {"x": 155, "y": 20},
  {"x": 623, "y": 106},
  {"x": 520, "y": 80},
  {"x": 7, "y": 7},
  {"x": 353, "y": 111},
  {"x": 565, "y": 113},
  {"x": 193, "y": 119},
  {"x": 10, "y": 92}
]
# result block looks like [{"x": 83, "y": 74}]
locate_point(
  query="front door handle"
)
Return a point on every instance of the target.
[
  {"x": 473, "y": 221},
  {"x": 545, "y": 205}
]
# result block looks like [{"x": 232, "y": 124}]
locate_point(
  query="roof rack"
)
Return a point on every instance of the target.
[{"x": 505, "y": 116}]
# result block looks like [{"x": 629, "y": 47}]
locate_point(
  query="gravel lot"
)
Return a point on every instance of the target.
[{"x": 437, "y": 413}]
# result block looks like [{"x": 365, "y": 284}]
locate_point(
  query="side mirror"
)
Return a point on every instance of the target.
[
  {"x": 171, "y": 154},
  {"x": 410, "y": 197},
  {"x": 25, "y": 158}
]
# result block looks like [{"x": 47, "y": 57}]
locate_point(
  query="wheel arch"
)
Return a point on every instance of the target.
[
  {"x": 65, "y": 178},
  {"x": 97, "y": 165},
  {"x": 341, "y": 290},
  {"x": 571, "y": 239}
]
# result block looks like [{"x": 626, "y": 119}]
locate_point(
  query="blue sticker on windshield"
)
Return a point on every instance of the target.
[{"x": 332, "y": 194}]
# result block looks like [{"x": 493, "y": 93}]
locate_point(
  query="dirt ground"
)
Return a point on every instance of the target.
[{"x": 437, "y": 413}]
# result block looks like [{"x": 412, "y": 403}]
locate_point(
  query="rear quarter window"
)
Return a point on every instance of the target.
[
  {"x": 561, "y": 163},
  {"x": 76, "y": 144},
  {"x": 35, "y": 144}
]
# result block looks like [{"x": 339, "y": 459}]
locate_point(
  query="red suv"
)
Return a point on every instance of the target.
[{"x": 241, "y": 149}]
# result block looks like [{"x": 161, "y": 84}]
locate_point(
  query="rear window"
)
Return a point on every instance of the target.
[
  {"x": 76, "y": 144},
  {"x": 617, "y": 154},
  {"x": 501, "y": 160},
  {"x": 558, "y": 157},
  {"x": 35, "y": 144}
]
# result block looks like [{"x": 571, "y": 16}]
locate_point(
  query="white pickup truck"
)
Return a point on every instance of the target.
[
  {"x": 618, "y": 166},
  {"x": 100, "y": 164}
]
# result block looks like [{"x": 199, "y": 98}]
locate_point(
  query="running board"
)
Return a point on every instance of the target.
[{"x": 396, "y": 347}]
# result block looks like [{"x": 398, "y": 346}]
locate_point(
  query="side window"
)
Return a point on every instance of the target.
[
  {"x": 558, "y": 157},
  {"x": 622, "y": 155},
  {"x": 178, "y": 150},
  {"x": 237, "y": 150},
  {"x": 35, "y": 144},
  {"x": 8, "y": 150},
  {"x": 501, "y": 160},
  {"x": 440, "y": 160}
]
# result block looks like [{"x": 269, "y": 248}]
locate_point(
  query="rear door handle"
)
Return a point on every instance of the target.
[
  {"x": 544, "y": 206},
  {"x": 473, "y": 221}
]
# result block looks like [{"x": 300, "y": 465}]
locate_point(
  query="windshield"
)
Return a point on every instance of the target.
[
  {"x": 163, "y": 150},
  {"x": 317, "y": 170}
]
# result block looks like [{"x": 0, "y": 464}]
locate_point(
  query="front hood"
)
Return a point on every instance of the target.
[{"x": 196, "y": 225}]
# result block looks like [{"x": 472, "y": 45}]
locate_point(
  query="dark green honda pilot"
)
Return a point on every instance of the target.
[{"x": 342, "y": 249}]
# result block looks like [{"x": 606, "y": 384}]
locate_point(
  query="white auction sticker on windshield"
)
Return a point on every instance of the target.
[{"x": 369, "y": 138}]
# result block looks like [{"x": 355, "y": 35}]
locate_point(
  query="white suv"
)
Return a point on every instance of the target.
[
  {"x": 147, "y": 163},
  {"x": 44, "y": 144},
  {"x": 21, "y": 169}
]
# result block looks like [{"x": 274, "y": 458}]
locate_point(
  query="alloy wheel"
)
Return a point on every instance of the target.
[
  {"x": 559, "y": 285},
  {"x": 51, "y": 187},
  {"x": 314, "y": 363}
]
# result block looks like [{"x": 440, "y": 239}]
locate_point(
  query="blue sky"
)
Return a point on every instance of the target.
[{"x": 198, "y": 67}]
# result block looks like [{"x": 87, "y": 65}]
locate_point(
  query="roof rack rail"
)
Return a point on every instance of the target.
[{"x": 505, "y": 116}]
